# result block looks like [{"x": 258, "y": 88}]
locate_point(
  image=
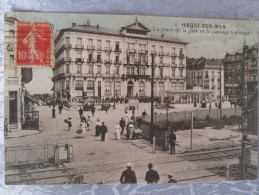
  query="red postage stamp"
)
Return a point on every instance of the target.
[{"x": 34, "y": 44}]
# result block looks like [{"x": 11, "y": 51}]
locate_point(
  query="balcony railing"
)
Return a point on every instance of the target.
[
  {"x": 161, "y": 64},
  {"x": 167, "y": 64},
  {"x": 78, "y": 46},
  {"x": 90, "y": 61},
  {"x": 80, "y": 60},
  {"x": 90, "y": 47},
  {"x": 107, "y": 61},
  {"x": 179, "y": 77},
  {"x": 153, "y": 52},
  {"x": 79, "y": 88},
  {"x": 98, "y": 48},
  {"x": 117, "y": 62},
  {"x": 161, "y": 53},
  {"x": 98, "y": 74},
  {"x": 99, "y": 61},
  {"x": 142, "y": 51},
  {"x": 131, "y": 51},
  {"x": 181, "y": 66},
  {"x": 108, "y": 49},
  {"x": 181, "y": 55},
  {"x": 174, "y": 65},
  {"x": 173, "y": 55},
  {"x": 117, "y": 50}
]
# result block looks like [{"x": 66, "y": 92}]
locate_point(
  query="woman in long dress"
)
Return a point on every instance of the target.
[
  {"x": 83, "y": 126},
  {"x": 117, "y": 131}
]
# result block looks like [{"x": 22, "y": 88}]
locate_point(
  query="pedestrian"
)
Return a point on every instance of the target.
[
  {"x": 88, "y": 123},
  {"x": 128, "y": 176},
  {"x": 172, "y": 140},
  {"x": 69, "y": 123},
  {"x": 216, "y": 104},
  {"x": 93, "y": 110},
  {"x": 83, "y": 127},
  {"x": 117, "y": 131},
  {"x": 151, "y": 175},
  {"x": 97, "y": 127},
  {"x": 144, "y": 114},
  {"x": 60, "y": 108},
  {"x": 210, "y": 107},
  {"x": 81, "y": 112},
  {"x": 106, "y": 109},
  {"x": 126, "y": 118},
  {"x": 5, "y": 127},
  {"x": 103, "y": 131},
  {"x": 83, "y": 119},
  {"x": 122, "y": 125},
  {"x": 171, "y": 179},
  {"x": 53, "y": 112}
]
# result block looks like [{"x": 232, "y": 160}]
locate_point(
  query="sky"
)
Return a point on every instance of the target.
[{"x": 201, "y": 41}]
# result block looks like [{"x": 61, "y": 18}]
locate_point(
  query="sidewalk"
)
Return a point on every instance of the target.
[{"x": 16, "y": 133}]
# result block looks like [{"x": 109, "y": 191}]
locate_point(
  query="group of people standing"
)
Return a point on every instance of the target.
[{"x": 128, "y": 176}]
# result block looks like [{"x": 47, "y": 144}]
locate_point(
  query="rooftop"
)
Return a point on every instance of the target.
[{"x": 200, "y": 63}]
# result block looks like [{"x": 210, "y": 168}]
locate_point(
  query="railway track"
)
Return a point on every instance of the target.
[{"x": 228, "y": 153}]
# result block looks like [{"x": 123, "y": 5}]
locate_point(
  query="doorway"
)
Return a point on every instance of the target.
[
  {"x": 13, "y": 109},
  {"x": 130, "y": 89}
]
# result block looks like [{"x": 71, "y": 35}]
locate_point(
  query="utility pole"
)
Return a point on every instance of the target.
[
  {"x": 220, "y": 94},
  {"x": 152, "y": 98},
  {"x": 244, "y": 119},
  {"x": 114, "y": 90}
]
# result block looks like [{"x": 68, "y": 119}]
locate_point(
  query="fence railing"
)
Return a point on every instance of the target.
[{"x": 200, "y": 114}]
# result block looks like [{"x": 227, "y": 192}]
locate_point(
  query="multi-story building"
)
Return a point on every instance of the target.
[
  {"x": 206, "y": 73},
  {"x": 12, "y": 75},
  {"x": 233, "y": 63},
  {"x": 101, "y": 62}
]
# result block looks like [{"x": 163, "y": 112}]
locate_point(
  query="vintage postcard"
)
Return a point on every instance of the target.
[{"x": 106, "y": 99}]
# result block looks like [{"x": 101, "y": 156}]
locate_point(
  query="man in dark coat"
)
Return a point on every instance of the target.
[
  {"x": 172, "y": 140},
  {"x": 81, "y": 112},
  {"x": 151, "y": 175},
  {"x": 93, "y": 110},
  {"x": 122, "y": 125},
  {"x": 83, "y": 119},
  {"x": 103, "y": 131},
  {"x": 128, "y": 176},
  {"x": 144, "y": 114}
]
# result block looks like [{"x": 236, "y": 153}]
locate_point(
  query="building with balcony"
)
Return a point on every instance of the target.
[
  {"x": 208, "y": 74},
  {"x": 101, "y": 62},
  {"x": 233, "y": 63}
]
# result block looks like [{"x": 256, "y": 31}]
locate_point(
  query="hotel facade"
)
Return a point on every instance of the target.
[
  {"x": 93, "y": 61},
  {"x": 208, "y": 74}
]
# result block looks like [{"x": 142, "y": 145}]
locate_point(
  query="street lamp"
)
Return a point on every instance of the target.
[
  {"x": 152, "y": 98},
  {"x": 220, "y": 102}
]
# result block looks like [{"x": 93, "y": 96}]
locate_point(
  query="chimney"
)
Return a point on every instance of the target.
[
  {"x": 73, "y": 24},
  {"x": 162, "y": 35},
  {"x": 97, "y": 26}
]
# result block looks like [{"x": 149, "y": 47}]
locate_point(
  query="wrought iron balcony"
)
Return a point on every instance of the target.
[
  {"x": 173, "y": 55},
  {"x": 117, "y": 50},
  {"x": 60, "y": 49},
  {"x": 98, "y": 48},
  {"x": 90, "y": 47},
  {"x": 90, "y": 60},
  {"x": 142, "y": 51},
  {"x": 99, "y": 61},
  {"x": 181, "y": 55},
  {"x": 117, "y": 62},
  {"x": 107, "y": 61},
  {"x": 79, "y": 88},
  {"x": 131, "y": 51},
  {"x": 108, "y": 49},
  {"x": 181, "y": 66},
  {"x": 161, "y": 64},
  {"x": 161, "y": 53},
  {"x": 78, "y": 46},
  {"x": 80, "y": 60},
  {"x": 153, "y": 52}
]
